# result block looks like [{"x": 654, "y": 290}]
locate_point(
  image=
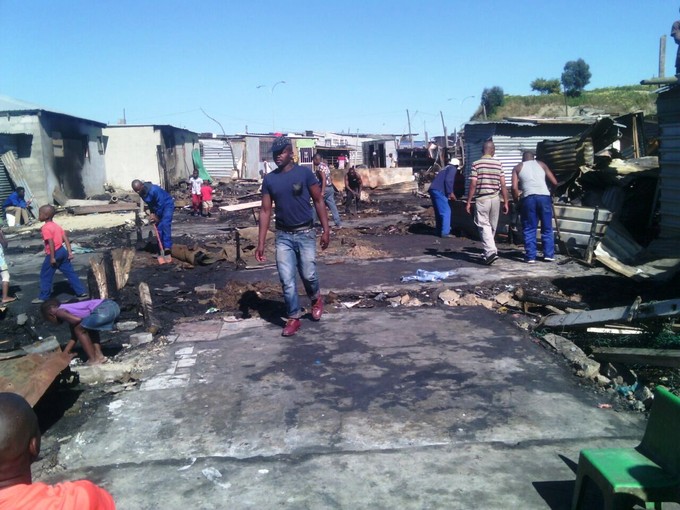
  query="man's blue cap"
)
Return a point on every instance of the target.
[{"x": 280, "y": 143}]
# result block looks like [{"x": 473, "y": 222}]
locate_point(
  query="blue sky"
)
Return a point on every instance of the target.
[{"x": 348, "y": 66}]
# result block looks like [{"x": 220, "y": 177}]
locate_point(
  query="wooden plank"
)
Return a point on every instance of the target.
[
  {"x": 122, "y": 263},
  {"x": 93, "y": 209},
  {"x": 241, "y": 207},
  {"x": 527, "y": 295},
  {"x": 150, "y": 321},
  {"x": 653, "y": 357},
  {"x": 99, "y": 272}
]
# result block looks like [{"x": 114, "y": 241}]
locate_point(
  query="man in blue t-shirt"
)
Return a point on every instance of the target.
[
  {"x": 290, "y": 188},
  {"x": 162, "y": 207}
]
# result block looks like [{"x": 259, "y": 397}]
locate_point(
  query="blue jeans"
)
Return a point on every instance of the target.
[
  {"x": 296, "y": 252},
  {"x": 64, "y": 265},
  {"x": 442, "y": 212},
  {"x": 533, "y": 209},
  {"x": 329, "y": 199},
  {"x": 164, "y": 226},
  {"x": 102, "y": 317}
]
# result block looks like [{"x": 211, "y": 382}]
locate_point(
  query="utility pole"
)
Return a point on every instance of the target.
[
  {"x": 446, "y": 138},
  {"x": 410, "y": 136},
  {"x": 662, "y": 57},
  {"x": 427, "y": 138}
]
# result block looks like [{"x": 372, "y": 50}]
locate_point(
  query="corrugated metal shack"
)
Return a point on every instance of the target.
[
  {"x": 668, "y": 108},
  {"x": 220, "y": 155},
  {"x": 513, "y": 137}
]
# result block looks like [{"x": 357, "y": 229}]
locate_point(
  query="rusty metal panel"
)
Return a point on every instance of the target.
[
  {"x": 30, "y": 376},
  {"x": 668, "y": 107},
  {"x": 575, "y": 222}
]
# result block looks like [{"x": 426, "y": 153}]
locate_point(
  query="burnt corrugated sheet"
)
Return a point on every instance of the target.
[
  {"x": 511, "y": 139},
  {"x": 8, "y": 142},
  {"x": 217, "y": 158},
  {"x": 668, "y": 108}
]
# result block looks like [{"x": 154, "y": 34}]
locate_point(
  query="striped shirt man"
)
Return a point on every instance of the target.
[{"x": 488, "y": 171}]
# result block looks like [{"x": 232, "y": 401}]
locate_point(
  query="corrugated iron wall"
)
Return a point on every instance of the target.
[
  {"x": 668, "y": 108},
  {"x": 7, "y": 143},
  {"x": 217, "y": 158},
  {"x": 511, "y": 139}
]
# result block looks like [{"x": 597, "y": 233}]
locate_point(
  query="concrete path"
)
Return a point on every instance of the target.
[{"x": 396, "y": 408}]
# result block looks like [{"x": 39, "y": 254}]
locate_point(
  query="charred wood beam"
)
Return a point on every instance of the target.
[{"x": 528, "y": 296}]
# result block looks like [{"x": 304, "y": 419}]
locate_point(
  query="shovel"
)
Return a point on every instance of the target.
[{"x": 161, "y": 258}]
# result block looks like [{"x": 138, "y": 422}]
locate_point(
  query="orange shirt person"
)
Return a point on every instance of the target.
[{"x": 19, "y": 447}]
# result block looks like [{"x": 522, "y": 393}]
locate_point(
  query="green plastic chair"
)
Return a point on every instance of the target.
[{"x": 649, "y": 473}]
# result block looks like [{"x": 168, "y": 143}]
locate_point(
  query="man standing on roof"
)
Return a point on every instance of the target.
[
  {"x": 529, "y": 177},
  {"x": 675, "y": 34},
  {"x": 487, "y": 185},
  {"x": 290, "y": 188}
]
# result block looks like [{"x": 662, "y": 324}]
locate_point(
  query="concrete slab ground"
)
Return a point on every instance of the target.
[{"x": 392, "y": 408}]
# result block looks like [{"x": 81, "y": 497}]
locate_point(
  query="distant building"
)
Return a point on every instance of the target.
[{"x": 56, "y": 151}]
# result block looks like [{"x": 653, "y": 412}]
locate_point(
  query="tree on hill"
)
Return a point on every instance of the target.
[
  {"x": 543, "y": 86},
  {"x": 492, "y": 98},
  {"x": 575, "y": 77}
]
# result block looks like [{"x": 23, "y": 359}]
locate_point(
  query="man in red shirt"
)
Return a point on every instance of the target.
[{"x": 19, "y": 448}]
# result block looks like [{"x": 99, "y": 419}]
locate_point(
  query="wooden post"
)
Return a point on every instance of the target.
[
  {"x": 122, "y": 263},
  {"x": 99, "y": 272},
  {"x": 152, "y": 325},
  {"x": 662, "y": 57},
  {"x": 410, "y": 136}
]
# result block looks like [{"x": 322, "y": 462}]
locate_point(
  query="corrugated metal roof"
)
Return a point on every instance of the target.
[
  {"x": 11, "y": 105},
  {"x": 668, "y": 107}
]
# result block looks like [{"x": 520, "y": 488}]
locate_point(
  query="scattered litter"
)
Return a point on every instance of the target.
[
  {"x": 380, "y": 297},
  {"x": 126, "y": 325},
  {"x": 212, "y": 309},
  {"x": 428, "y": 276},
  {"x": 191, "y": 463},
  {"x": 626, "y": 389},
  {"x": 214, "y": 475},
  {"x": 604, "y": 406},
  {"x": 350, "y": 304},
  {"x": 231, "y": 318},
  {"x": 168, "y": 288},
  {"x": 208, "y": 288},
  {"x": 140, "y": 338},
  {"x": 263, "y": 471},
  {"x": 77, "y": 248}
]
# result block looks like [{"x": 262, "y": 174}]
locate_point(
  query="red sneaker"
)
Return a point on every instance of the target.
[
  {"x": 291, "y": 327},
  {"x": 317, "y": 308}
]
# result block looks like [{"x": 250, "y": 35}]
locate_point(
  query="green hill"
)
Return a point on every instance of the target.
[{"x": 609, "y": 100}]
